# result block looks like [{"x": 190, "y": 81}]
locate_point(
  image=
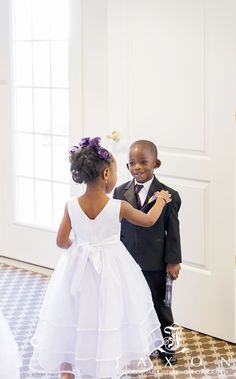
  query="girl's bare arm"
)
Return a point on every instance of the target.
[
  {"x": 145, "y": 219},
  {"x": 63, "y": 233}
]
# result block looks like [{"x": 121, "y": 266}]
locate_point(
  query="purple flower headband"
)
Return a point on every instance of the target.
[{"x": 93, "y": 142}]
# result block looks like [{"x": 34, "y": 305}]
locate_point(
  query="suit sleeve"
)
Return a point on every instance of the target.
[
  {"x": 172, "y": 243},
  {"x": 114, "y": 195}
]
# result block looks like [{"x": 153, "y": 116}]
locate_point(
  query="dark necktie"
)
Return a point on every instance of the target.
[{"x": 138, "y": 188}]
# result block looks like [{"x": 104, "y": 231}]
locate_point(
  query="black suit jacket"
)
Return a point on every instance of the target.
[{"x": 153, "y": 247}]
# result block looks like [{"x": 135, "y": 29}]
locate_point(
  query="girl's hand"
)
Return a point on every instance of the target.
[{"x": 164, "y": 195}]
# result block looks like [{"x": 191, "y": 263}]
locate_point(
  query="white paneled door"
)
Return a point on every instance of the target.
[{"x": 178, "y": 64}]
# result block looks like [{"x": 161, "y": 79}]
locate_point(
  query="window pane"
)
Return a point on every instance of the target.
[
  {"x": 41, "y": 88},
  {"x": 25, "y": 200},
  {"x": 24, "y": 110},
  {"x": 42, "y": 110},
  {"x": 43, "y": 157},
  {"x": 22, "y": 19},
  {"x": 61, "y": 194},
  {"x": 41, "y": 19},
  {"x": 61, "y": 167},
  {"x": 60, "y": 112},
  {"x": 59, "y": 64},
  {"x": 24, "y": 158},
  {"x": 59, "y": 19},
  {"x": 43, "y": 203},
  {"x": 23, "y": 63},
  {"x": 41, "y": 60}
]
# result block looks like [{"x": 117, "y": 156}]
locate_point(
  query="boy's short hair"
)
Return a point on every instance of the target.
[{"x": 148, "y": 144}]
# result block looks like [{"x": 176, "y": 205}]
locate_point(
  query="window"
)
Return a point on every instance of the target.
[{"x": 41, "y": 109}]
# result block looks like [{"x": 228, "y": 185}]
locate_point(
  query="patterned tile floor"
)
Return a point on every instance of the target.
[{"x": 199, "y": 356}]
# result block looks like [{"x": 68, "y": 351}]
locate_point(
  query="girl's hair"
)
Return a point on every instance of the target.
[{"x": 88, "y": 160}]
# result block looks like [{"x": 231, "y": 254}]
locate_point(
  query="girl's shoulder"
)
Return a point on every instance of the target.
[
  {"x": 115, "y": 205},
  {"x": 72, "y": 203},
  {"x": 115, "y": 201},
  {"x": 72, "y": 200}
]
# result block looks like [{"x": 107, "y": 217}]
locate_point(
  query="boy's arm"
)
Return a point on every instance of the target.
[{"x": 172, "y": 245}]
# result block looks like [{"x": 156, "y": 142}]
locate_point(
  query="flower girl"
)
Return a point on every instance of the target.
[{"x": 97, "y": 319}]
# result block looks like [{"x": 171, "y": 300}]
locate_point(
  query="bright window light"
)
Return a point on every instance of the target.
[{"x": 41, "y": 109}]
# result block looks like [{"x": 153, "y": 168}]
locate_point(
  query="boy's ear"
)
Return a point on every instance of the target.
[
  {"x": 127, "y": 165},
  {"x": 158, "y": 163}
]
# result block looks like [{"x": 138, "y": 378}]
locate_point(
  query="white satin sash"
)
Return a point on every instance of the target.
[{"x": 81, "y": 253}]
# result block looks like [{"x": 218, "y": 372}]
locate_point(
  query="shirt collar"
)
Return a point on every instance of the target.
[{"x": 146, "y": 185}]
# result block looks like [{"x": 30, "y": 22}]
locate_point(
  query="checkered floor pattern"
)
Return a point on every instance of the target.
[{"x": 199, "y": 356}]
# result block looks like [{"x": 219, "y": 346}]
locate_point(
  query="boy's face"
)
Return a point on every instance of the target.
[{"x": 142, "y": 163}]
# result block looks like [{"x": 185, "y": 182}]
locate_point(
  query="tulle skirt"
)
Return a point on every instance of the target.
[
  {"x": 97, "y": 318},
  {"x": 10, "y": 361}
]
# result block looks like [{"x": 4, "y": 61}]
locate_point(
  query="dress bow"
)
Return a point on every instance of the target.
[{"x": 82, "y": 252}]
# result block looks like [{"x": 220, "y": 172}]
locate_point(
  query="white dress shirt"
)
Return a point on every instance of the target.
[{"x": 144, "y": 191}]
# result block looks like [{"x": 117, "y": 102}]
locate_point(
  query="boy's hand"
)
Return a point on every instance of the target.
[{"x": 173, "y": 270}]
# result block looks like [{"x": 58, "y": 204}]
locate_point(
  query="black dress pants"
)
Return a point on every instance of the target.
[{"x": 157, "y": 284}]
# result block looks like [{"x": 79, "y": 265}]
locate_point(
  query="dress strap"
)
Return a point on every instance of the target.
[{"x": 72, "y": 208}]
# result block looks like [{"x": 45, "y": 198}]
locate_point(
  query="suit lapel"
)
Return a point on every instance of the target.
[
  {"x": 129, "y": 194},
  {"x": 155, "y": 186}
]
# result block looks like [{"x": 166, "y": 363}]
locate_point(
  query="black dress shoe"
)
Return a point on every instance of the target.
[{"x": 168, "y": 358}]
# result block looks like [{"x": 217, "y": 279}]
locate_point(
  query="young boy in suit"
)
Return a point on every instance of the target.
[{"x": 156, "y": 249}]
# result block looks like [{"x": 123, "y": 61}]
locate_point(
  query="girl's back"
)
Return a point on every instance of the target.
[{"x": 104, "y": 226}]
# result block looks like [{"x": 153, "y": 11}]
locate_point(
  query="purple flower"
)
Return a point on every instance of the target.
[
  {"x": 73, "y": 149},
  {"x": 95, "y": 144},
  {"x": 84, "y": 142},
  {"x": 103, "y": 153}
]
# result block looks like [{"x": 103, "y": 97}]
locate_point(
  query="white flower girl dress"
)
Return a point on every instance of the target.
[
  {"x": 10, "y": 361},
  {"x": 97, "y": 319}
]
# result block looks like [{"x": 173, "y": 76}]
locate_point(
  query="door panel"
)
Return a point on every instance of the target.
[{"x": 178, "y": 62}]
